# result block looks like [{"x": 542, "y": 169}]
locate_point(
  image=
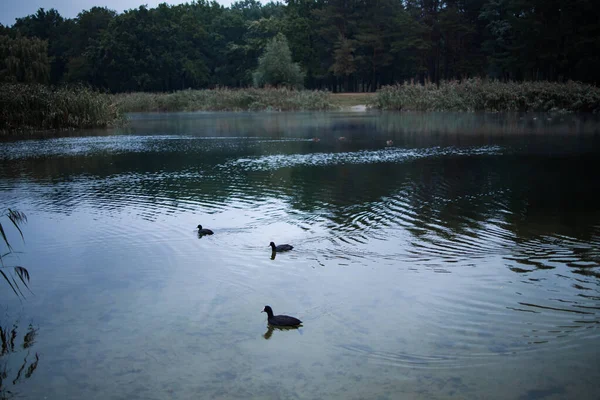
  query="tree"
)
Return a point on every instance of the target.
[
  {"x": 232, "y": 64},
  {"x": 87, "y": 30},
  {"x": 408, "y": 45},
  {"x": 51, "y": 26},
  {"x": 16, "y": 218},
  {"x": 299, "y": 29},
  {"x": 4, "y": 30},
  {"x": 160, "y": 49},
  {"x": 374, "y": 37},
  {"x": 343, "y": 60},
  {"x": 24, "y": 60},
  {"x": 339, "y": 44},
  {"x": 542, "y": 39},
  {"x": 275, "y": 66},
  {"x": 461, "y": 33},
  {"x": 503, "y": 45},
  {"x": 333, "y": 20}
]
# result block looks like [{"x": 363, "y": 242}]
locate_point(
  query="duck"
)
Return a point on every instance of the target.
[
  {"x": 281, "y": 247},
  {"x": 204, "y": 231},
  {"x": 280, "y": 320}
]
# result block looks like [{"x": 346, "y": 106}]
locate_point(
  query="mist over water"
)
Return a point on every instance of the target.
[{"x": 461, "y": 261}]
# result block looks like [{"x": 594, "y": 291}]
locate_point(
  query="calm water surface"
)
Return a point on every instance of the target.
[{"x": 460, "y": 262}]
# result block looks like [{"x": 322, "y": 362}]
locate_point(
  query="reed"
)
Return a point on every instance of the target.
[
  {"x": 31, "y": 107},
  {"x": 492, "y": 96},
  {"x": 224, "y": 99}
]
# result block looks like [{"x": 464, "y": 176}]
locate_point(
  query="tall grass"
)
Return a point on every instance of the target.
[
  {"x": 16, "y": 218},
  {"x": 223, "y": 99},
  {"x": 38, "y": 107},
  {"x": 494, "y": 96}
]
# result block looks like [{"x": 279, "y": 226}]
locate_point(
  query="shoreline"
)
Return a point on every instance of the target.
[{"x": 32, "y": 108}]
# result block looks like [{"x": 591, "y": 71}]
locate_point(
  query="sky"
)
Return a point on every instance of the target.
[{"x": 12, "y": 9}]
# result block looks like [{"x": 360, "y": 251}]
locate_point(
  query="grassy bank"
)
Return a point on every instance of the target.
[
  {"x": 26, "y": 108},
  {"x": 347, "y": 100},
  {"x": 225, "y": 100},
  {"x": 39, "y": 107},
  {"x": 494, "y": 96}
]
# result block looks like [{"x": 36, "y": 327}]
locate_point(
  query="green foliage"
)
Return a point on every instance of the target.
[
  {"x": 339, "y": 45},
  {"x": 88, "y": 28},
  {"x": 281, "y": 99},
  {"x": 39, "y": 107},
  {"x": 43, "y": 24},
  {"x": 51, "y": 26},
  {"x": 153, "y": 50},
  {"x": 24, "y": 60},
  {"x": 480, "y": 95},
  {"x": 343, "y": 60},
  {"x": 275, "y": 66},
  {"x": 539, "y": 39}
]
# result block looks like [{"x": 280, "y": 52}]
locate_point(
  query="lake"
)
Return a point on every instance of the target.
[{"x": 462, "y": 260}]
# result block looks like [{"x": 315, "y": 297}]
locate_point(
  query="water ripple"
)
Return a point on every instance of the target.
[{"x": 395, "y": 155}]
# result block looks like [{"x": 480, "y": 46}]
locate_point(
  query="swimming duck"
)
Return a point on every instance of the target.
[
  {"x": 204, "y": 231},
  {"x": 280, "y": 320},
  {"x": 281, "y": 247}
]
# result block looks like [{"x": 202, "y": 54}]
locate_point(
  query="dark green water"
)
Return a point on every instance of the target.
[{"x": 463, "y": 261}]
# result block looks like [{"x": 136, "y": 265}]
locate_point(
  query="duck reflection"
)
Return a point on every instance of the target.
[
  {"x": 273, "y": 254},
  {"x": 270, "y": 328}
]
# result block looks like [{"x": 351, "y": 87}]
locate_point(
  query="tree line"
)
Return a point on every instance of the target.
[{"x": 339, "y": 45}]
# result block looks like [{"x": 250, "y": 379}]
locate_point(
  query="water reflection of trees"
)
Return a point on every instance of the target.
[
  {"x": 13, "y": 347},
  {"x": 356, "y": 125},
  {"x": 540, "y": 192}
]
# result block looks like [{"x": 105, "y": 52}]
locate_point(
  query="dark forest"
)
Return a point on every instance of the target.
[{"x": 340, "y": 45}]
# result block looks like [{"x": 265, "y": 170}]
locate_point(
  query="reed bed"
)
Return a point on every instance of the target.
[
  {"x": 39, "y": 107},
  {"x": 492, "y": 96},
  {"x": 223, "y": 99}
]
